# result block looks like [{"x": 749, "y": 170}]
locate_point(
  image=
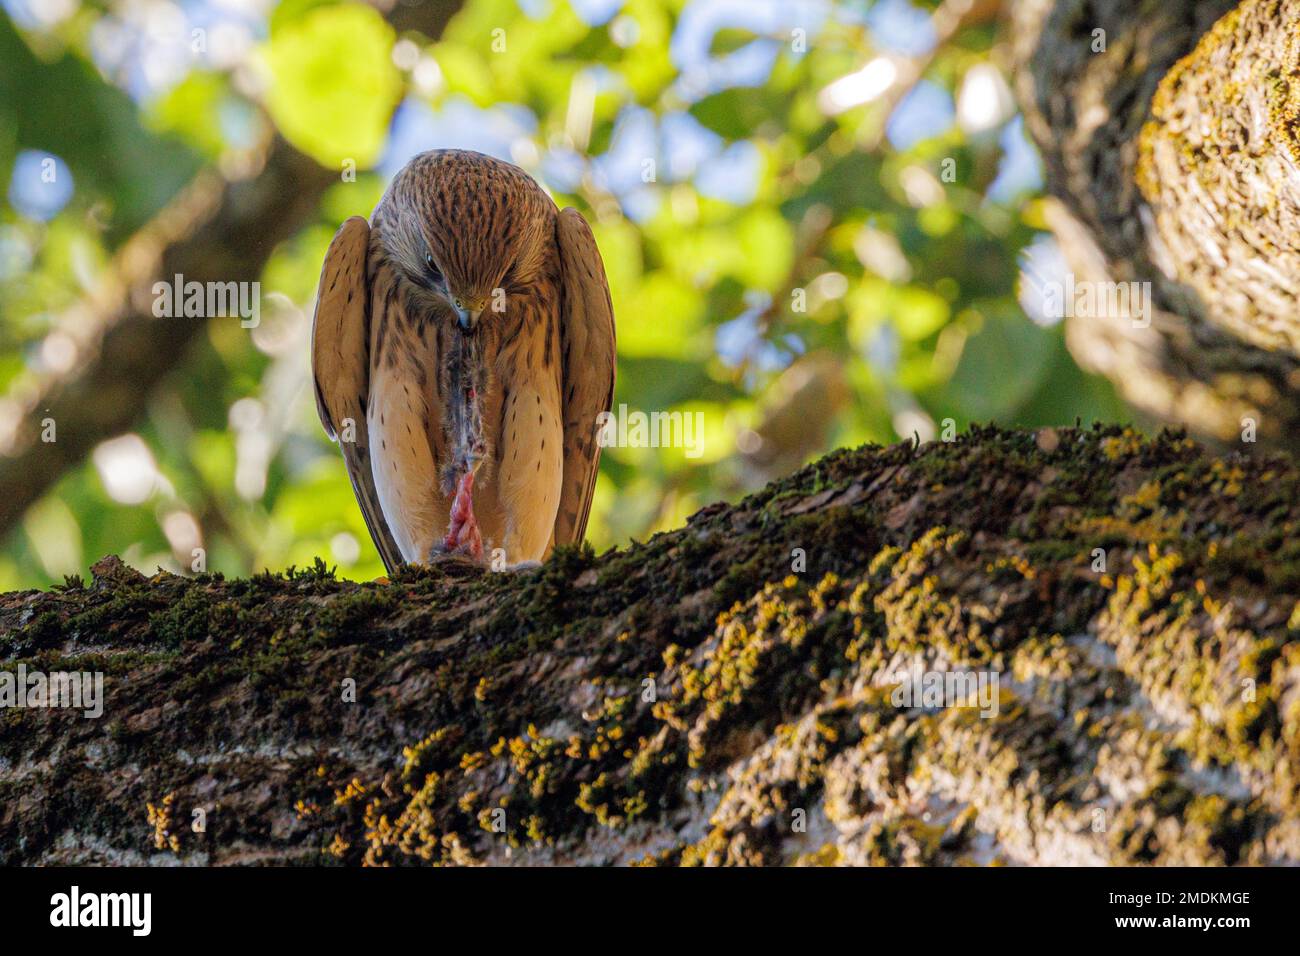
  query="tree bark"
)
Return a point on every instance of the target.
[
  {"x": 721, "y": 694},
  {"x": 1173, "y": 154}
]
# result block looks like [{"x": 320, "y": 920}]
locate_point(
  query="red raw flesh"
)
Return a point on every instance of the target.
[{"x": 463, "y": 533}]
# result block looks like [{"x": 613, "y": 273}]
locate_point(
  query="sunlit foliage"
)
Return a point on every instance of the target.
[{"x": 805, "y": 241}]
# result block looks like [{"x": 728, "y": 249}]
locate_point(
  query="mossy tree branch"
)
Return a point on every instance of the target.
[{"x": 707, "y": 698}]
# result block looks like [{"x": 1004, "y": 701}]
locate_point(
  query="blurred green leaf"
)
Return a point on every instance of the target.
[{"x": 333, "y": 83}]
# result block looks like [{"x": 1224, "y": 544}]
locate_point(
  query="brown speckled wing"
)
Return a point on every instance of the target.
[
  {"x": 340, "y": 362},
  {"x": 587, "y": 372}
]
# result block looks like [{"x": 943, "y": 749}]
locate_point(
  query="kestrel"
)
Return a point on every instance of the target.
[{"x": 463, "y": 350}]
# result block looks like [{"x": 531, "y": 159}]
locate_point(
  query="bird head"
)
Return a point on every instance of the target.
[
  {"x": 463, "y": 228},
  {"x": 462, "y": 294},
  {"x": 468, "y": 309}
]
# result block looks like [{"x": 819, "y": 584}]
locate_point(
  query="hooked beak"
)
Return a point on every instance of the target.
[{"x": 467, "y": 313}]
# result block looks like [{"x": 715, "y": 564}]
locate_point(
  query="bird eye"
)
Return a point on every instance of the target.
[{"x": 433, "y": 269}]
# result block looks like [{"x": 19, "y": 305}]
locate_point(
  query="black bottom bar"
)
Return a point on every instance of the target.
[{"x": 333, "y": 906}]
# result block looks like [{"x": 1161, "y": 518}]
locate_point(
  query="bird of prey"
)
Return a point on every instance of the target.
[{"x": 463, "y": 352}]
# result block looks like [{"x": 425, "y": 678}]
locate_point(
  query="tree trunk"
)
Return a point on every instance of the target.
[
  {"x": 1173, "y": 152},
  {"x": 721, "y": 694}
]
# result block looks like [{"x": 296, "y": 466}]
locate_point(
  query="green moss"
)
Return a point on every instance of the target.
[{"x": 184, "y": 621}]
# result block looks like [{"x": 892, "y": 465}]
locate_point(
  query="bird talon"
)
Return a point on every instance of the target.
[{"x": 523, "y": 566}]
